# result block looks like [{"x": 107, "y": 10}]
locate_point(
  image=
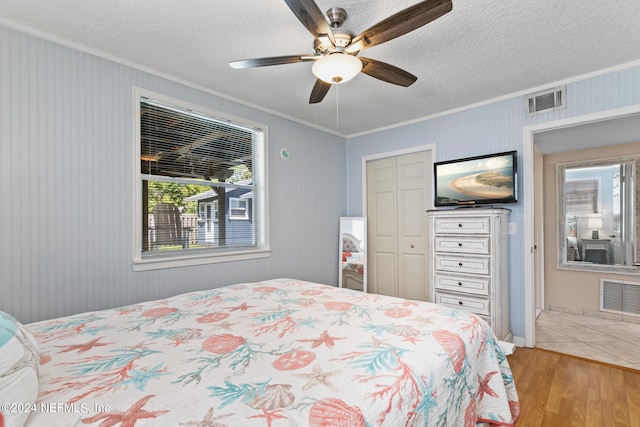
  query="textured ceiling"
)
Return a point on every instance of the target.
[{"x": 479, "y": 51}]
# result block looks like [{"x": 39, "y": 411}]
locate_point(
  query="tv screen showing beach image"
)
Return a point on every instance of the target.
[{"x": 474, "y": 181}]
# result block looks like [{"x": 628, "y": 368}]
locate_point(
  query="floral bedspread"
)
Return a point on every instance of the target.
[
  {"x": 277, "y": 353},
  {"x": 356, "y": 266}
]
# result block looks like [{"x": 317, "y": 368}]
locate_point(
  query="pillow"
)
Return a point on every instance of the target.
[{"x": 19, "y": 370}]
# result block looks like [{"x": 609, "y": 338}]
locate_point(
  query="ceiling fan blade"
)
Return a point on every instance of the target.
[
  {"x": 308, "y": 12},
  {"x": 275, "y": 60},
  {"x": 399, "y": 24},
  {"x": 387, "y": 72},
  {"x": 319, "y": 91}
]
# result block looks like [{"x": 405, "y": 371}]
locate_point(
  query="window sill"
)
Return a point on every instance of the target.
[{"x": 158, "y": 263}]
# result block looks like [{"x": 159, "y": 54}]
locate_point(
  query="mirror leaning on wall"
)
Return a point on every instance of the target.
[{"x": 352, "y": 272}]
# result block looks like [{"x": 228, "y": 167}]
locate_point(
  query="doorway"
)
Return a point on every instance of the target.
[{"x": 610, "y": 127}]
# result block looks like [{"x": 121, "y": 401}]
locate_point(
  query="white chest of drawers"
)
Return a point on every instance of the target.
[{"x": 470, "y": 263}]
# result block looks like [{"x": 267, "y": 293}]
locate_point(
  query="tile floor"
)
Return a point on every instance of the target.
[{"x": 593, "y": 338}]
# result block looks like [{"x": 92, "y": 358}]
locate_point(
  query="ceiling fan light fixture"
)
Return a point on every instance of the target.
[{"x": 337, "y": 68}]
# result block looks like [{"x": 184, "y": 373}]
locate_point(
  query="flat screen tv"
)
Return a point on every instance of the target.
[{"x": 482, "y": 180}]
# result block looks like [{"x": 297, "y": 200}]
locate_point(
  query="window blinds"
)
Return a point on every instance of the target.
[
  {"x": 182, "y": 143},
  {"x": 198, "y": 180},
  {"x": 581, "y": 196}
]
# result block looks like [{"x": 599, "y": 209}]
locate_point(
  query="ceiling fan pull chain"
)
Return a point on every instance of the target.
[{"x": 337, "y": 105}]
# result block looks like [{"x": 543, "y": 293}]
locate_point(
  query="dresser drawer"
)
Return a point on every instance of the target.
[
  {"x": 469, "y": 303},
  {"x": 473, "y": 225},
  {"x": 462, "y": 244},
  {"x": 459, "y": 264},
  {"x": 466, "y": 284},
  {"x": 595, "y": 246}
]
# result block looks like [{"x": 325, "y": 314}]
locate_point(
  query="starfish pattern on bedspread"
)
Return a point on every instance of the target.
[
  {"x": 275, "y": 353},
  {"x": 127, "y": 418}
]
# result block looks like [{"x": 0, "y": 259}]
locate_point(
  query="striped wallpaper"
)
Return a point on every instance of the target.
[
  {"x": 66, "y": 179},
  {"x": 491, "y": 128},
  {"x": 66, "y": 185}
]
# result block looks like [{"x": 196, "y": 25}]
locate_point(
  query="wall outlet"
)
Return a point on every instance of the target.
[{"x": 512, "y": 228}]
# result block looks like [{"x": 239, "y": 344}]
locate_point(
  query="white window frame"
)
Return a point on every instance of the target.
[
  {"x": 233, "y": 217},
  {"x": 183, "y": 259}
]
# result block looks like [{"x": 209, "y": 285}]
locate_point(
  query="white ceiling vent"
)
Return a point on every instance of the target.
[{"x": 546, "y": 101}]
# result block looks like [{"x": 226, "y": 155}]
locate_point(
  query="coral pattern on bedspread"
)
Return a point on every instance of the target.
[{"x": 277, "y": 353}]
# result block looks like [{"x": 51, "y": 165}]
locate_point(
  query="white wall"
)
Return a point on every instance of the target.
[{"x": 66, "y": 203}]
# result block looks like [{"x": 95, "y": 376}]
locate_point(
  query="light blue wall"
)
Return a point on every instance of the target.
[
  {"x": 66, "y": 180},
  {"x": 491, "y": 128},
  {"x": 66, "y": 184}
]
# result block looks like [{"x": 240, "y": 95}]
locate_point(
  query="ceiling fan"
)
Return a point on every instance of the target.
[{"x": 335, "y": 53}]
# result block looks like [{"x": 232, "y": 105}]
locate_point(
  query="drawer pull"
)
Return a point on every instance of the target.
[
  {"x": 460, "y": 225},
  {"x": 459, "y": 264},
  {"x": 459, "y": 283},
  {"x": 460, "y": 302},
  {"x": 460, "y": 244}
]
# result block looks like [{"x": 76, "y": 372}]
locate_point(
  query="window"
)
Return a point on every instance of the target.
[
  {"x": 198, "y": 173},
  {"x": 582, "y": 196},
  {"x": 238, "y": 208}
]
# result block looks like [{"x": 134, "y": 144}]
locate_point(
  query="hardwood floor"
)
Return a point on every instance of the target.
[{"x": 561, "y": 390}]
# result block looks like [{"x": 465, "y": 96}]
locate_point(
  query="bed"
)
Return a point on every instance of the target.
[{"x": 280, "y": 352}]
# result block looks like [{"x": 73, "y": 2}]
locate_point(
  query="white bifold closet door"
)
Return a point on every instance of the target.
[{"x": 399, "y": 192}]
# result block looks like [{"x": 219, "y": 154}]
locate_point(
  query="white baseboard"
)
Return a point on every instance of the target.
[{"x": 518, "y": 341}]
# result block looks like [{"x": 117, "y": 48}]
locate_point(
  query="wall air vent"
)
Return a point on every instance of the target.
[
  {"x": 545, "y": 101},
  {"x": 619, "y": 297}
]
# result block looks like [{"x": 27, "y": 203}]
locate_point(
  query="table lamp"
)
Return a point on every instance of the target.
[{"x": 595, "y": 224}]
